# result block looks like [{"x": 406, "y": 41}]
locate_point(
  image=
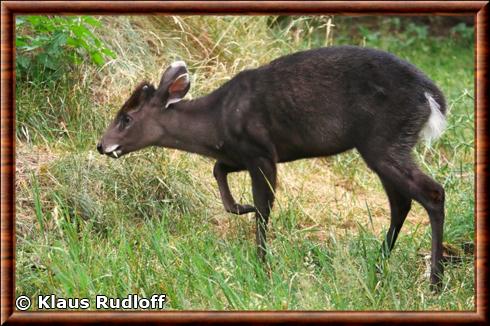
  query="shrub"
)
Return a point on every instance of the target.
[{"x": 48, "y": 45}]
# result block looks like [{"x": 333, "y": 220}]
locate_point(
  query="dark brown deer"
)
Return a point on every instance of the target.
[{"x": 308, "y": 104}]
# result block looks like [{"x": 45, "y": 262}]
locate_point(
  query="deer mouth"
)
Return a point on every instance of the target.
[
  {"x": 114, "y": 151},
  {"x": 116, "y": 154}
]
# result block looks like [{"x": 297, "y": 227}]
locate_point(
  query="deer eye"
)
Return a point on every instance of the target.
[{"x": 125, "y": 121}]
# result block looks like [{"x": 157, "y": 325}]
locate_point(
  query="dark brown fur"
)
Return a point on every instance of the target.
[{"x": 313, "y": 103}]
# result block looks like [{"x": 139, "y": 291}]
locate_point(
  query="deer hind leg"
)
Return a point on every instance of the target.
[
  {"x": 400, "y": 205},
  {"x": 409, "y": 181}
]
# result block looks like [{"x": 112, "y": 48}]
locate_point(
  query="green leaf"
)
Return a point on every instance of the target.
[
  {"x": 91, "y": 21},
  {"x": 28, "y": 48},
  {"x": 108, "y": 52},
  {"x": 97, "y": 58},
  {"x": 47, "y": 61},
  {"x": 59, "y": 40},
  {"x": 97, "y": 42},
  {"x": 33, "y": 20},
  {"x": 20, "y": 41},
  {"x": 81, "y": 31},
  {"x": 23, "y": 61},
  {"x": 73, "y": 42}
]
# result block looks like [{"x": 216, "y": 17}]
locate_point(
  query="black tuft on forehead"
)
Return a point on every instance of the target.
[{"x": 143, "y": 92}]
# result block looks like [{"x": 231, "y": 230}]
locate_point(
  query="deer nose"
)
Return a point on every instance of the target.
[{"x": 99, "y": 148}]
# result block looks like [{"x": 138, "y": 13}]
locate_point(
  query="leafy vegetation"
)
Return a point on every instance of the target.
[
  {"x": 152, "y": 222},
  {"x": 47, "y": 45}
]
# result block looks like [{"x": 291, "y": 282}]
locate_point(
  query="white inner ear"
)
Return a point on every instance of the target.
[
  {"x": 186, "y": 76},
  {"x": 178, "y": 99}
]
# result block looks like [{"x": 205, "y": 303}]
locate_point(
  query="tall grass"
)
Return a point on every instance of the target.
[{"x": 153, "y": 222}]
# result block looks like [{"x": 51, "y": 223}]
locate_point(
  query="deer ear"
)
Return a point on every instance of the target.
[
  {"x": 175, "y": 83},
  {"x": 178, "y": 88}
]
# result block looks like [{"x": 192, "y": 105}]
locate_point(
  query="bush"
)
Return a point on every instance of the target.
[{"x": 47, "y": 46}]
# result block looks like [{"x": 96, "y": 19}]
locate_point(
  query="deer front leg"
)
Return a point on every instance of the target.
[
  {"x": 220, "y": 172},
  {"x": 263, "y": 174}
]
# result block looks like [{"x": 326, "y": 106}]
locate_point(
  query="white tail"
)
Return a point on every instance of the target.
[{"x": 436, "y": 123}]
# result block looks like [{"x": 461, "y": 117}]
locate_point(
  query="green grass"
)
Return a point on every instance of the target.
[{"x": 152, "y": 222}]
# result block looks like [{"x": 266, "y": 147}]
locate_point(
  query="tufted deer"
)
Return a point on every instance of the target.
[{"x": 308, "y": 104}]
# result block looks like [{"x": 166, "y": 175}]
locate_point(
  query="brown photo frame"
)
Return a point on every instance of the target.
[{"x": 479, "y": 9}]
